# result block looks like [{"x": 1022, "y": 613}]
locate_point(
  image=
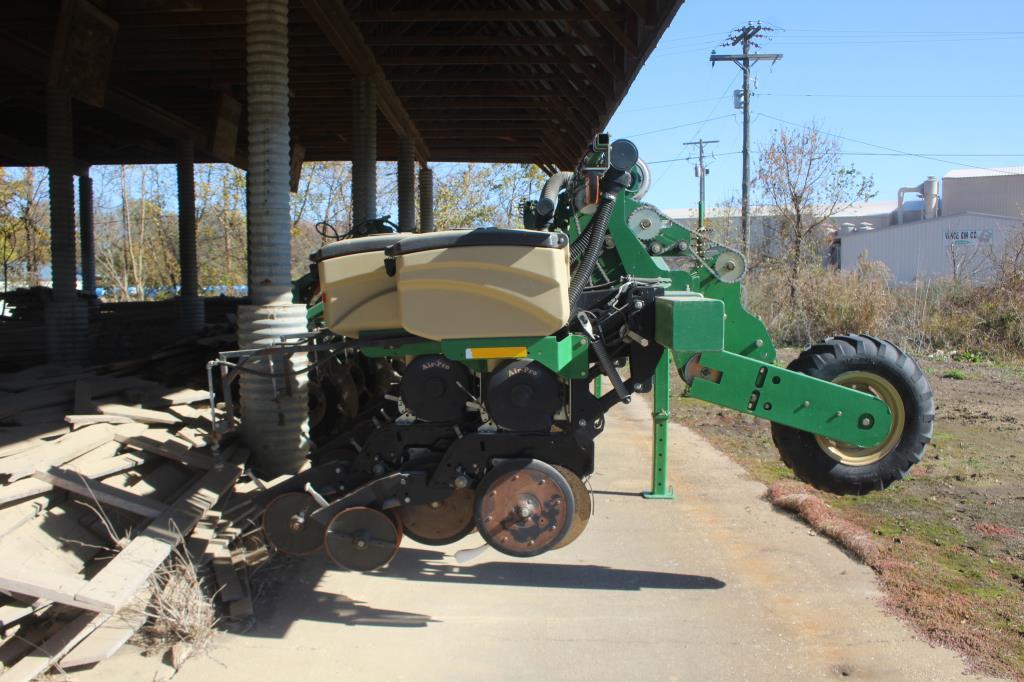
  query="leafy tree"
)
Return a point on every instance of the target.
[
  {"x": 24, "y": 224},
  {"x": 804, "y": 183}
]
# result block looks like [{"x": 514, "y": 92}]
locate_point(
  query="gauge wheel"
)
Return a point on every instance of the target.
[{"x": 874, "y": 366}]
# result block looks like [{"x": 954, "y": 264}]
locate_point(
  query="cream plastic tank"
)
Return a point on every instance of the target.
[
  {"x": 359, "y": 296},
  {"x": 483, "y": 283}
]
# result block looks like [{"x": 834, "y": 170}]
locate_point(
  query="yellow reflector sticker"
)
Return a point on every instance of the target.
[{"x": 496, "y": 352}]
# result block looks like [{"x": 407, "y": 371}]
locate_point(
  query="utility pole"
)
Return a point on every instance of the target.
[
  {"x": 700, "y": 170},
  {"x": 746, "y": 36}
]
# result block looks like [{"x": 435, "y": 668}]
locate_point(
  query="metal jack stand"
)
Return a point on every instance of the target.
[{"x": 660, "y": 489}]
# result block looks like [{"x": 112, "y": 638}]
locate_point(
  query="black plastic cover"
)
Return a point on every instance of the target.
[
  {"x": 478, "y": 237},
  {"x": 347, "y": 247}
]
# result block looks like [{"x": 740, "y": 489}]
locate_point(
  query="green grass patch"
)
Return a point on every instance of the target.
[{"x": 954, "y": 374}]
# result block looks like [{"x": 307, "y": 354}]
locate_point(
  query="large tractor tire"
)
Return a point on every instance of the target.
[{"x": 874, "y": 366}]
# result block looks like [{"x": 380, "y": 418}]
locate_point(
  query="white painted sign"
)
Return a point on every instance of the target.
[{"x": 967, "y": 237}]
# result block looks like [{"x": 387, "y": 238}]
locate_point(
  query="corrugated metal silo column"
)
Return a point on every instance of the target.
[
  {"x": 86, "y": 234},
  {"x": 191, "y": 306},
  {"x": 364, "y": 151},
  {"x": 406, "y": 185},
  {"x": 426, "y": 199},
  {"x": 274, "y": 410},
  {"x": 67, "y": 322}
]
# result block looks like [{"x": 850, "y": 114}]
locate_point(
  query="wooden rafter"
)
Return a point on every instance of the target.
[{"x": 344, "y": 35}]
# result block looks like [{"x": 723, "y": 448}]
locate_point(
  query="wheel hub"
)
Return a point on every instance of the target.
[
  {"x": 361, "y": 539},
  {"x": 881, "y": 388},
  {"x": 524, "y": 509},
  {"x": 289, "y": 526}
]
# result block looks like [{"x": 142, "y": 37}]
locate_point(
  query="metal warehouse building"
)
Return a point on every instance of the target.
[{"x": 958, "y": 234}]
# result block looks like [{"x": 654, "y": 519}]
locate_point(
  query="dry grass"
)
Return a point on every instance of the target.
[
  {"x": 922, "y": 317},
  {"x": 177, "y": 611}
]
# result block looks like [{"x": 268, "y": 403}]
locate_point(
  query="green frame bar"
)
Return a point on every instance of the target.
[
  {"x": 660, "y": 490},
  {"x": 791, "y": 398}
]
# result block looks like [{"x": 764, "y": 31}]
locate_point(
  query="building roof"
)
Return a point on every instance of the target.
[
  {"x": 523, "y": 81},
  {"x": 984, "y": 172}
]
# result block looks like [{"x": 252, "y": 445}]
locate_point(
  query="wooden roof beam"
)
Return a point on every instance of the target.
[
  {"x": 470, "y": 15},
  {"x": 611, "y": 23},
  {"x": 343, "y": 33},
  {"x": 34, "y": 63}
]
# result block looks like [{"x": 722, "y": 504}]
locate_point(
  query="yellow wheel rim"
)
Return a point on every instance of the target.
[{"x": 882, "y": 389}]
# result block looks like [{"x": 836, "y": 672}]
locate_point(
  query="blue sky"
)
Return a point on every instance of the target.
[{"x": 939, "y": 78}]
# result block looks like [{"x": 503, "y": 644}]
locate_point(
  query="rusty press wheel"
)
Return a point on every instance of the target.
[
  {"x": 288, "y": 526},
  {"x": 361, "y": 539},
  {"x": 441, "y": 522},
  {"x": 524, "y": 508},
  {"x": 583, "y": 503}
]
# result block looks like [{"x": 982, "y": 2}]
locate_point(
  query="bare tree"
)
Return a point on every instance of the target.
[{"x": 805, "y": 183}]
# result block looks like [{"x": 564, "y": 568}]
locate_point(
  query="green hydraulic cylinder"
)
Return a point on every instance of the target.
[{"x": 660, "y": 489}]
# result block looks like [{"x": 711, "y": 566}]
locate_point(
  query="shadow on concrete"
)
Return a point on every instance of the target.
[
  {"x": 430, "y": 566},
  {"x": 292, "y": 596},
  {"x": 619, "y": 493}
]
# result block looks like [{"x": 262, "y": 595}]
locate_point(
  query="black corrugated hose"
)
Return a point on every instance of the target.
[{"x": 596, "y": 232}]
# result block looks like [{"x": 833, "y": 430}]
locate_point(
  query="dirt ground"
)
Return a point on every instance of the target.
[{"x": 953, "y": 531}]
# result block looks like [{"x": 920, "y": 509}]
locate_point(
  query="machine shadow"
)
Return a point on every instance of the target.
[
  {"x": 300, "y": 600},
  {"x": 431, "y": 566}
]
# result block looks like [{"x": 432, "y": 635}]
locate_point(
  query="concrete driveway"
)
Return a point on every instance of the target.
[{"x": 712, "y": 585}]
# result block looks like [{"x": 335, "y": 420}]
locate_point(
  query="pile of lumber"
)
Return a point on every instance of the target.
[{"x": 102, "y": 477}]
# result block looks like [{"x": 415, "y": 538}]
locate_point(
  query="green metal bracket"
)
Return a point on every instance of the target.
[
  {"x": 660, "y": 489},
  {"x": 790, "y": 398},
  {"x": 690, "y": 321},
  {"x": 316, "y": 311}
]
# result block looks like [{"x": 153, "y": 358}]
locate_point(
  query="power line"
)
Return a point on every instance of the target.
[
  {"x": 890, "y": 149},
  {"x": 869, "y": 96},
  {"x": 877, "y": 32},
  {"x": 681, "y": 125},
  {"x": 890, "y": 154},
  {"x": 673, "y": 104},
  {"x": 709, "y": 118}
]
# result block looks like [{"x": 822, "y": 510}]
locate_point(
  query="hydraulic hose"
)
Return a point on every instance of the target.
[
  {"x": 596, "y": 231},
  {"x": 549, "y": 195},
  {"x": 579, "y": 246}
]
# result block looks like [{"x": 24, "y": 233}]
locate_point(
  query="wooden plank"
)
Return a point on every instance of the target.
[
  {"x": 223, "y": 568},
  {"x": 20, "y": 438},
  {"x": 126, "y": 574},
  {"x": 185, "y": 396},
  {"x": 57, "y": 452},
  {"x": 17, "y": 576},
  {"x": 188, "y": 412},
  {"x": 13, "y": 518},
  {"x": 87, "y": 419},
  {"x": 169, "y": 448},
  {"x": 141, "y": 415},
  {"x": 197, "y": 439},
  {"x": 99, "y": 463},
  {"x": 78, "y": 484},
  {"x": 65, "y": 448},
  {"x": 42, "y": 657},
  {"x": 104, "y": 641}
]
